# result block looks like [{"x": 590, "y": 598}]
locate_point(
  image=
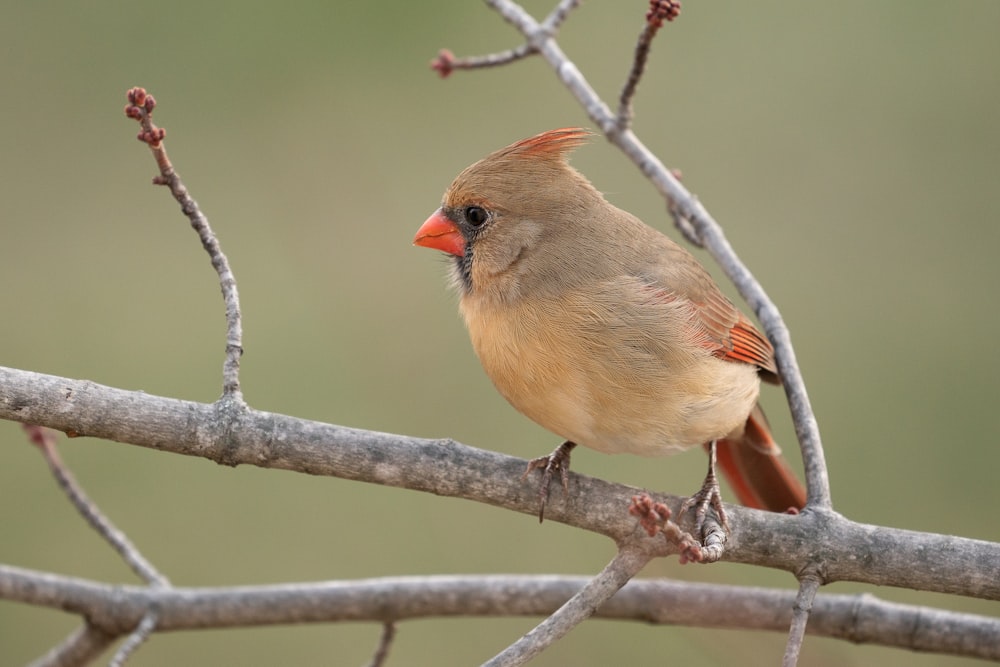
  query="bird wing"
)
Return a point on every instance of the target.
[
  {"x": 717, "y": 325},
  {"x": 730, "y": 334}
]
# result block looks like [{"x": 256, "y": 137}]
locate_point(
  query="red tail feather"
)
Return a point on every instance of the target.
[{"x": 756, "y": 471}]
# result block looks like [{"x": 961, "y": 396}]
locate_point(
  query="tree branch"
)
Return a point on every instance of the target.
[
  {"x": 140, "y": 107},
  {"x": 862, "y": 619},
  {"x": 102, "y": 525},
  {"x": 809, "y": 584},
  {"x": 147, "y": 625},
  {"x": 83, "y": 645},
  {"x": 842, "y": 549},
  {"x": 384, "y": 643},
  {"x": 627, "y": 563},
  {"x": 659, "y": 11}
]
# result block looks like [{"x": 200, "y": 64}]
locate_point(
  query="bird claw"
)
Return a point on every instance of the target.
[
  {"x": 708, "y": 544},
  {"x": 708, "y": 496},
  {"x": 557, "y": 460}
]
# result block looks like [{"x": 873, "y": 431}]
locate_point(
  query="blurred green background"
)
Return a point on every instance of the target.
[{"x": 848, "y": 148}]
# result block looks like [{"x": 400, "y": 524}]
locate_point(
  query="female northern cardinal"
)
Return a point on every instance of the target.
[{"x": 600, "y": 328}]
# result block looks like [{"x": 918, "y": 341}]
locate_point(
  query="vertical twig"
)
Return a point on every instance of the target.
[
  {"x": 659, "y": 11},
  {"x": 140, "y": 107},
  {"x": 135, "y": 640},
  {"x": 384, "y": 644},
  {"x": 808, "y": 586}
]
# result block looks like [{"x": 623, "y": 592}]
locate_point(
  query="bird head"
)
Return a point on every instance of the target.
[{"x": 515, "y": 202}]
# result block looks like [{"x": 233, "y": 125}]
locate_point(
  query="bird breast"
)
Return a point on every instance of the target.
[{"x": 609, "y": 368}]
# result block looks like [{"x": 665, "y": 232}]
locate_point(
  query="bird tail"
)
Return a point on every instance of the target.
[{"x": 757, "y": 472}]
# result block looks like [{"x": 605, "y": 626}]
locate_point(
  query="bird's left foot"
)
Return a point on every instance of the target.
[
  {"x": 557, "y": 460},
  {"x": 708, "y": 496}
]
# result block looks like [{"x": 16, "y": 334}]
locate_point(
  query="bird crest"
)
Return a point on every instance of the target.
[{"x": 554, "y": 143}]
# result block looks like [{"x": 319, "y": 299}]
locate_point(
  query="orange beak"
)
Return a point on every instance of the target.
[{"x": 440, "y": 233}]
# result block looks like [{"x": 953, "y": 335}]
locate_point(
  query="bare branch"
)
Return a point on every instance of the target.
[
  {"x": 446, "y": 62},
  {"x": 140, "y": 108},
  {"x": 809, "y": 585},
  {"x": 384, "y": 643},
  {"x": 82, "y": 646},
  {"x": 682, "y": 224},
  {"x": 627, "y": 563},
  {"x": 135, "y": 640},
  {"x": 862, "y": 619},
  {"x": 84, "y": 642},
  {"x": 559, "y": 14},
  {"x": 46, "y": 442},
  {"x": 847, "y": 551},
  {"x": 659, "y": 11}
]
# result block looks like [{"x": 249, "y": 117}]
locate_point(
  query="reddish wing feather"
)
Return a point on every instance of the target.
[
  {"x": 747, "y": 344},
  {"x": 726, "y": 332},
  {"x": 732, "y": 336}
]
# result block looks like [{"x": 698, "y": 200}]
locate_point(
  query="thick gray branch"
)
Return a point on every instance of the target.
[
  {"x": 839, "y": 549},
  {"x": 857, "y": 618}
]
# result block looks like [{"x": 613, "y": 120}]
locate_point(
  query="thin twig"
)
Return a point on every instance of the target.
[
  {"x": 384, "y": 643},
  {"x": 559, "y": 14},
  {"x": 628, "y": 561},
  {"x": 81, "y": 647},
  {"x": 659, "y": 11},
  {"x": 682, "y": 224},
  {"x": 140, "y": 107},
  {"x": 808, "y": 587},
  {"x": 46, "y": 441},
  {"x": 135, "y": 640},
  {"x": 446, "y": 62}
]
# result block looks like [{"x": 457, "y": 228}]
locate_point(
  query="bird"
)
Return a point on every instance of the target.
[{"x": 603, "y": 330}]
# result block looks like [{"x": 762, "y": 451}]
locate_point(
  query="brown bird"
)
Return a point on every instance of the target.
[{"x": 600, "y": 328}]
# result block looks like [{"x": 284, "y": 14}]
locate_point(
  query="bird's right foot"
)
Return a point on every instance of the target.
[{"x": 557, "y": 460}]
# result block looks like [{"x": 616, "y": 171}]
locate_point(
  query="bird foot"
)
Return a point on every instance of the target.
[
  {"x": 557, "y": 460},
  {"x": 707, "y": 496}
]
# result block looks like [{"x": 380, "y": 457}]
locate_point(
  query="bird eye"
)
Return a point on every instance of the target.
[{"x": 476, "y": 215}]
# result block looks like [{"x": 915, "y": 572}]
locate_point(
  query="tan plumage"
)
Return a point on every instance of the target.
[{"x": 587, "y": 320}]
